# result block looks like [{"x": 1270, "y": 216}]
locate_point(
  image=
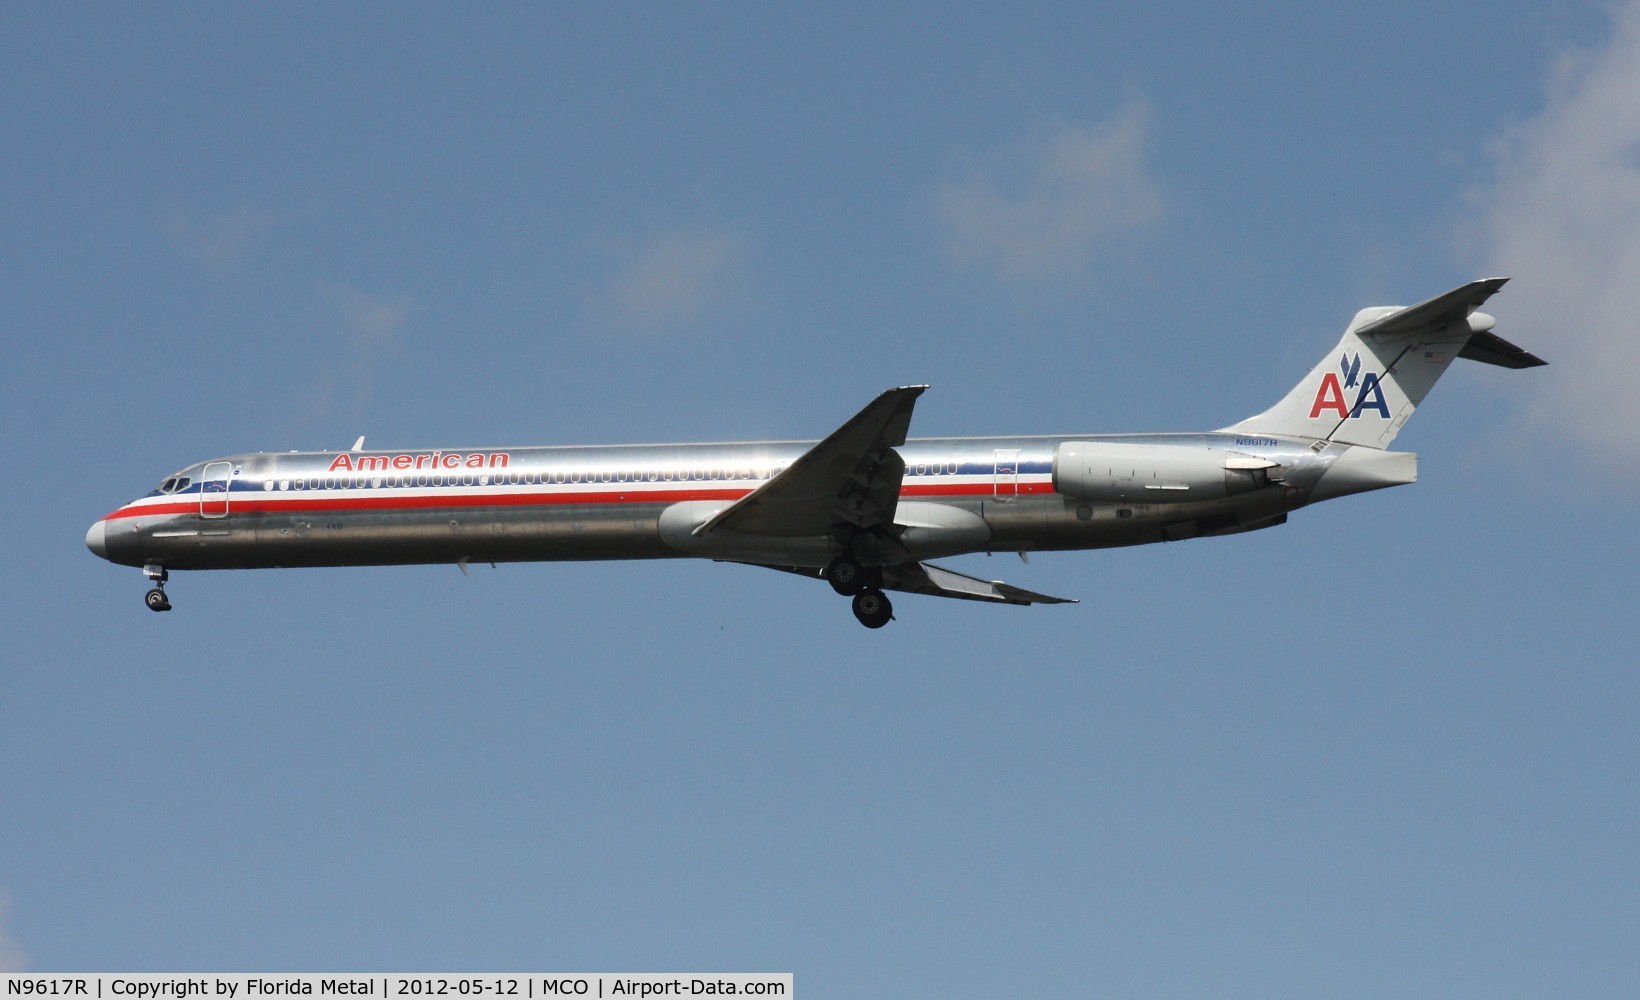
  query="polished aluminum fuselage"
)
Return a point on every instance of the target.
[{"x": 572, "y": 503}]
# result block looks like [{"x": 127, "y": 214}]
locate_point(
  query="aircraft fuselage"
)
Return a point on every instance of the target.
[{"x": 574, "y": 503}]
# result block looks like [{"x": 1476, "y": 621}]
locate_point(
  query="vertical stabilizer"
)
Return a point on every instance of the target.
[{"x": 1364, "y": 390}]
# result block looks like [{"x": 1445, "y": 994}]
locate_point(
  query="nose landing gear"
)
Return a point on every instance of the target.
[{"x": 155, "y": 598}]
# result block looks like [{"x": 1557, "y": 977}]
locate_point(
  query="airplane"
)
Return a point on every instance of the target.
[{"x": 864, "y": 509}]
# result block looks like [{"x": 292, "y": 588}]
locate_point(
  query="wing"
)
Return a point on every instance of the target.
[
  {"x": 851, "y": 480},
  {"x": 937, "y": 581}
]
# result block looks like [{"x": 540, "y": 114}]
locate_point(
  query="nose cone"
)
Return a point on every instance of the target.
[{"x": 97, "y": 539}]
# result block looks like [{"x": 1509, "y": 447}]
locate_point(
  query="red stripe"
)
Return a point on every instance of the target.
[{"x": 462, "y": 500}]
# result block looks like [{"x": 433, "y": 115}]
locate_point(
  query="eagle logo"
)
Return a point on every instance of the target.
[{"x": 1350, "y": 368}]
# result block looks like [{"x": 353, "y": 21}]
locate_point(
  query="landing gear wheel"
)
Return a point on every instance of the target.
[
  {"x": 846, "y": 575},
  {"x": 157, "y": 601},
  {"x": 872, "y": 607}
]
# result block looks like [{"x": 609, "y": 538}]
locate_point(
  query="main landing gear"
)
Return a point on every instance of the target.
[
  {"x": 849, "y": 578},
  {"x": 872, "y": 608},
  {"x": 155, "y": 598}
]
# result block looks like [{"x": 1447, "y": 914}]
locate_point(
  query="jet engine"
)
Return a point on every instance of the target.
[{"x": 1154, "y": 473}]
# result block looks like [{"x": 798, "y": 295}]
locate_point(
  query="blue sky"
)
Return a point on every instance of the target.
[{"x": 1387, "y": 748}]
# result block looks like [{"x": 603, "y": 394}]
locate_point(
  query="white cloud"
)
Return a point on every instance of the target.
[
  {"x": 222, "y": 239},
  {"x": 1563, "y": 219},
  {"x": 12, "y": 958},
  {"x": 669, "y": 279},
  {"x": 1046, "y": 208},
  {"x": 373, "y": 320},
  {"x": 373, "y": 326}
]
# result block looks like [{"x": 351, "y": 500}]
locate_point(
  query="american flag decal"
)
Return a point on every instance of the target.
[{"x": 1434, "y": 357}]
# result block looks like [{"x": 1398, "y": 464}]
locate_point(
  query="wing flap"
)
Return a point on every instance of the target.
[{"x": 937, "y": 581}]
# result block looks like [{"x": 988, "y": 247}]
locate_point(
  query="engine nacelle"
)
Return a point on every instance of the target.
[
  {"x": 1153, "y": 473},
  {"x": 931, "y": 530}
]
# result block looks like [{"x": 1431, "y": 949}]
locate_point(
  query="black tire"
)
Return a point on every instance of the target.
[
  {"x": 156, "y": 600},
  {"x": 872, "y": 608},
  {"x": 846, "y": 575}
]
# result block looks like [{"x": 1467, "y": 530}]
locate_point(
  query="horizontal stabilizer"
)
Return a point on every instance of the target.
[
  {"x": 1491, "y": 349},
  {"x": 1435, "y": 314}
]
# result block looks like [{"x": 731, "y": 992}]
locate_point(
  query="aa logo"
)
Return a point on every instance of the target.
[{"x": 1330, "y": 396}]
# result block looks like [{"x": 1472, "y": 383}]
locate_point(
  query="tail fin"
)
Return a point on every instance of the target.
[{"x": 1364, "y": 391}]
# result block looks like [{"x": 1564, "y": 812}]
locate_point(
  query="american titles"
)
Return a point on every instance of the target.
[{"x": 351, "y": 462}]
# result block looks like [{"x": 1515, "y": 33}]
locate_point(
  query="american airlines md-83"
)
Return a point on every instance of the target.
[{"x": 863, "y": 509}]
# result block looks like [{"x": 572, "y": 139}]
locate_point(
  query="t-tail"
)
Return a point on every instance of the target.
[{"x": 1366, "y": 388}]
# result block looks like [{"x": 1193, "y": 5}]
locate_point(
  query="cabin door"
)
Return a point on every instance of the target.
[
  {"x": 213, "y": 489},
  {"x": 1005, "y": 484}
]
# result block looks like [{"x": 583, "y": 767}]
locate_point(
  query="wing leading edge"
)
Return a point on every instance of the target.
[{"x": 848, "y": 482}]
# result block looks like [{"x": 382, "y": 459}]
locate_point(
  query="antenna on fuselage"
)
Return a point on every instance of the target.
[{"x": 358, "y": 445}]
